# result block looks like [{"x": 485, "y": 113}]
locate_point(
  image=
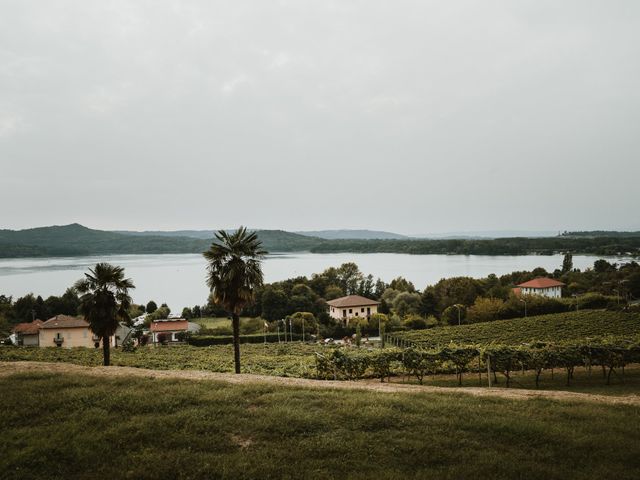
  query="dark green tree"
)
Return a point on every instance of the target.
[
  {"x": 104, "y": 301},
  {"x": 274, "y": 303},
  {"x": 567, "y": 263},
  {"x": 234, "y": 272},
  {"x": 151, "y": 306}
]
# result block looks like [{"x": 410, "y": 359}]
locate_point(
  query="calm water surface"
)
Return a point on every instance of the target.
[{"x": 179, "y": 280}]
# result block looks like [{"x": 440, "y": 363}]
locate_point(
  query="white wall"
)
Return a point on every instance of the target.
[
  {"x": 351, "y": 312},
  {"x": 551, "y": 292}
]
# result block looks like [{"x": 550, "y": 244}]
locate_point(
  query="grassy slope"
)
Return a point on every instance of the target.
[
  {"x": 554, "y": 328},
  {"x": 84, "y": 427}
]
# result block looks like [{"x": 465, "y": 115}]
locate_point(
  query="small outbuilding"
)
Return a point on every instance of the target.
[{"x": 27, "y": 334}]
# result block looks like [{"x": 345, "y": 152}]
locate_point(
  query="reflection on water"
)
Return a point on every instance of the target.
[{"x": 179, "y": 279}]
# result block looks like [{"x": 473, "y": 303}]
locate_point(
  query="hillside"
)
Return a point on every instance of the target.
[
  {"x": 353, "y": 235},
  {"x": 553, "y": 328},
  {"x": 202, "y": 234},
  {"x": 77, "y": 240}
]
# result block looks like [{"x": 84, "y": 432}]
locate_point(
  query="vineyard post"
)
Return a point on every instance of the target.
[
  {"x": 479, "y": 370},
  {"x": 489, "y": 369}
]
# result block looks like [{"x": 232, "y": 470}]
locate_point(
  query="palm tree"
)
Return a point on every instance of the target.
[
  {"x": 234, "y": 271},
  {"x": 104, "y": 302}
]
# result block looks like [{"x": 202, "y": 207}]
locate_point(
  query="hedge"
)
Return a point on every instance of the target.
[{"x": 207, "y": 340}]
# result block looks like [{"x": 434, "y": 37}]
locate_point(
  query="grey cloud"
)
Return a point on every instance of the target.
[{"x": 411, "y": 116}]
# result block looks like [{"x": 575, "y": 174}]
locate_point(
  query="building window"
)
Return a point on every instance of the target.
[
  {"x": 362, "y": 309},
  {"x": 351, "y": 310},
  {"x": 344, "y": 313}
]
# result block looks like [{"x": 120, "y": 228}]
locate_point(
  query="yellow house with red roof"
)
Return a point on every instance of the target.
[
  {"x": 66, "y": 331},
  {"x": 345, "y": 308}
]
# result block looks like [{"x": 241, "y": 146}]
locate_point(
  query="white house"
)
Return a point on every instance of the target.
[
  {"x": 344, "y": 308},
  {"x": 547, "y": 287}
]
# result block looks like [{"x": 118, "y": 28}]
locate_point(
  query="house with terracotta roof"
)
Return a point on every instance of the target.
[
  {"x": 547, "y": 287},
  {"x": 27, "y": 334},
  {"x": 66, "y": 331},
  {"x": 345, "y": 308},
  {"x": 168, "y": 329}
]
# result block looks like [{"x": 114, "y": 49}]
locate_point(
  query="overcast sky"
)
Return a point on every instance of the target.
[{"x": 410, "y": 116}]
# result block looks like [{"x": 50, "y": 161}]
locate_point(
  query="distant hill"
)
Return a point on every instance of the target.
[
  {"x": 354, "y": 235},
  {"x": 601, "y": 233},
  {"x": 78, "y": 240},
  {"x": 202, "y": 234},
  {"x": 488, "y": 234}
]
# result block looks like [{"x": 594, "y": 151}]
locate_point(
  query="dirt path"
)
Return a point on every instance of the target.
[{"x": 10, "y": 368}]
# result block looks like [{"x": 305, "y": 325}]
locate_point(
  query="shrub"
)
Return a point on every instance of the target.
[
  {"x": 128, "y": 346},
  {"x": 415, "y": 322}
]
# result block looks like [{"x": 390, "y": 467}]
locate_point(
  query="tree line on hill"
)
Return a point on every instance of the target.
[
  {"x": 597, "y": 245},
  {"x": 77, "y": 240}
]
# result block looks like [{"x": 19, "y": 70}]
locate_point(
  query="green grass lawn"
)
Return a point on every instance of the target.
[
  {"x": 223, "y": 324},
  {"x": 558, "y": 327},
  {"x": 62, "y": 426},
  {"x": 213, "y": 322}
]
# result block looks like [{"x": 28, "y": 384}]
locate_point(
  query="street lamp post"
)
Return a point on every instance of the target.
[
  {"x": 458, "y": 307},
  {"x": 525, "y": 306}
]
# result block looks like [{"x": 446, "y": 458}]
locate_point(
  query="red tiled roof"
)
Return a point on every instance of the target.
[
  {"x": 541, "y": 282},
  {"x": 29, "y": 328},
  {"x": 352, "y": 301},
  {"x": 169, "y": 325},
  {"x": 65, "y": 321}
]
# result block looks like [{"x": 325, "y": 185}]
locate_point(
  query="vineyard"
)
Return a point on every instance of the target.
[
  {"x": 610, "y": 354},
  {"x": 285, "y": 360},
  {"x": 558, "y": 327},
  {"x": 605, "y": 341}
]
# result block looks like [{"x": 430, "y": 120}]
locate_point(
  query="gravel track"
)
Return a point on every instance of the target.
[{"x": 11, "y": 368}]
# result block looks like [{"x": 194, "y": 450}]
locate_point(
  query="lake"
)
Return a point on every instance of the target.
[{"x": 179, "y": 280}]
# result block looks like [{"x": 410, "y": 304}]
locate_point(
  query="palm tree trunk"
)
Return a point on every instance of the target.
[
  {"x": 235, "y": 321},
  {"x": 106, "y": 353}
]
